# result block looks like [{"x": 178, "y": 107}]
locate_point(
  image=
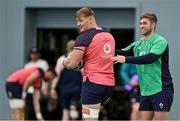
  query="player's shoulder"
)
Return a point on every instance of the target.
[
  {"x": 160, "y": 39},
  {"x": 87, "y": 33},
  {"x": 85, "y": 37},
  {"x": 91, "y": 32},
  {"x": 28, "y": 64},
  {"x": 140, "y": 39},
  {"x": 42, "y": 61},
  {"x": 137, "y": 42}
]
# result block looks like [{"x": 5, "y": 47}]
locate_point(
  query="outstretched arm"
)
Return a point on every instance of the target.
[{"x": 144, "y": 59}]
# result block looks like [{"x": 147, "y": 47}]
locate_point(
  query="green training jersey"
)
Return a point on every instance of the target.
[{"x": 155, "y": 76}]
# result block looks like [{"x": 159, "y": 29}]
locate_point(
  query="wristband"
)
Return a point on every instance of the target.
[{"x": 39, "y": 116}]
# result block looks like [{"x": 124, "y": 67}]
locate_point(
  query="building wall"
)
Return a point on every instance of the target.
[
  {"x": 17, "y": 33},
  {"x": 64, "y": 18},
  {"x": 4, "y": 108}
]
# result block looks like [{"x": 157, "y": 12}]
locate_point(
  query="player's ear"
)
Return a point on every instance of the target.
[
  {"x": 90, "y": 18},
  {"x": 154, "y": 25}
]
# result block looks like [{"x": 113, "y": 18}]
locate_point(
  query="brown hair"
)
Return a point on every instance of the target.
[
  {"x": 151, "y": 16},
  {"x": 84, "y": 12}
]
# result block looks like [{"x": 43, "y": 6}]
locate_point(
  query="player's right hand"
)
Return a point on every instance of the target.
[{"x": 118, "y": 59}]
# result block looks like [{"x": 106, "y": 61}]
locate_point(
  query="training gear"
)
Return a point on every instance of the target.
[
  {"x": 156, "y": 76},
  {"x": 90, "y": 113},
  {"x": 98, "y": 46},
  {"x": 16, "y": 103}
]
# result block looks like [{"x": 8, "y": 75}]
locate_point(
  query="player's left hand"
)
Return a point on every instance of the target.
[{"x": 118, "y": 59}]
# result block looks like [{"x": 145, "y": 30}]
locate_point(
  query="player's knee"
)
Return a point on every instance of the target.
[
  {"x": 90, "y": 113},
  {"x": 74, "y": 114}
]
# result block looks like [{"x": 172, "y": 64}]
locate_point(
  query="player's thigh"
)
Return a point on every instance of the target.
[
  {"x": 13, "y": 90},
  {"x": 65, "y": 100},
  {"x": 146, "y": 115},
  {"x": 135, "y": 106},
  {"x": 91, "y": 112},
  {"x": 161, "y": 115},
  {"x": 94, "y": 106},
  {"x": 145, "y": 104},
  {"x": 162, "y": 101},
  {"x": 91, "y": 93},
  {"x": 75, "y": 97},
  {"x": 107, "y": 94},
  {"x": 91, "y": 96}
]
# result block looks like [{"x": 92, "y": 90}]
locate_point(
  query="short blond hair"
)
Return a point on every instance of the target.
[
  {"x": 70, "y": 45},
  {"x": 85, "y": 11}
]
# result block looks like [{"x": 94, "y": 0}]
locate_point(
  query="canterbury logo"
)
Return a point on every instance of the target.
[
  {"x": 161, "y": 105},
  {"x": 142, "y": 53}
]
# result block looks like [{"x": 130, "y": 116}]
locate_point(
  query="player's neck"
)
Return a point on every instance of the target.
[
  {"x": 92, "y": 25},
  {"x": 34, "y": 60},
  {"x": 149, "y": 35}
]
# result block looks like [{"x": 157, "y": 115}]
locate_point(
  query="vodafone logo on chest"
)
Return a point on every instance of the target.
[{"x": 107, "y": 48}]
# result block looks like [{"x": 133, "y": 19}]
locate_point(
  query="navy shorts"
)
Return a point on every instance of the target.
[
  {"x": 13, "y": 90},
  {"x": 92, "y": 93},
  {"x": 160, "y": 101},
  {"x": 135, "y": 95},
  {"x": 70, "y": 98}
]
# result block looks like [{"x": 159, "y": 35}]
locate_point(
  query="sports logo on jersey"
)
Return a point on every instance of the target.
[
  {"x": 107, "y": 48},
  {"x": 161, "y": 105},
  {"x": 142, "y": 53}
]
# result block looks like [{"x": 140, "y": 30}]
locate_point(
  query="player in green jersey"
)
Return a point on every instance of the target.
[{"x": 151, "y": 54}]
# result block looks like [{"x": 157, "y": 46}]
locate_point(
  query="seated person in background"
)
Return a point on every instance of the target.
[{"x": 16, "y": 87}]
